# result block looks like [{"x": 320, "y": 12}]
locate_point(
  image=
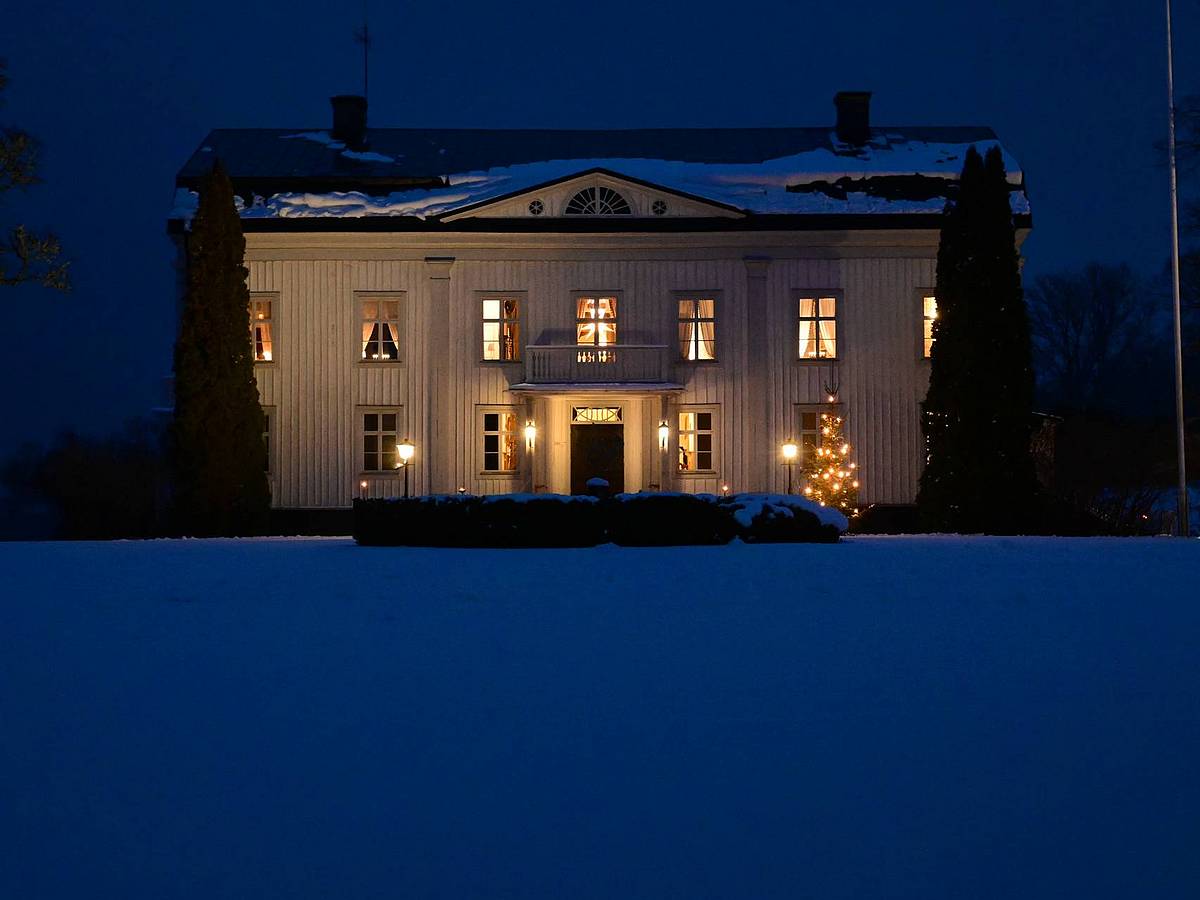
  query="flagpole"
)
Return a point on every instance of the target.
[{"x": 1181, "y": 499}]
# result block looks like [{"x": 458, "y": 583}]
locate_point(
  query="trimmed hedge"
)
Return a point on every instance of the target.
[
  {"x": 667, "y": 520},
  {"x": 450, "y": 520},
  {"x": 783, "y": 519},
  {"x": 554, "y": 520}
]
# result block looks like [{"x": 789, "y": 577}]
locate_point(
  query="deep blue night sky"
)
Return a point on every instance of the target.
[{"x": 121, "y": 93}]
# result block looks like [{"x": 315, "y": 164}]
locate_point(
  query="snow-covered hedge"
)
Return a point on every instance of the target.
[{"x": 554, "y": 520}]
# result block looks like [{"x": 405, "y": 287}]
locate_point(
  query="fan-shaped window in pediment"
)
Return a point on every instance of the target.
[{"x": 598, "y": 201}]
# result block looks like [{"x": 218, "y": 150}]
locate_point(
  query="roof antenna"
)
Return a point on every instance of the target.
[{"x": 363, "y": 36}]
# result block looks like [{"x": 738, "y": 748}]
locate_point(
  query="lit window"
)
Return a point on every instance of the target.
[
  {"x": 928, "y": 315},
  {"x": 381, "y": 330},
  {"x": 501, "y": 328},
  {"x": 696, "y": 442},
  {"x": 818, "y": 327},
  {"x": 379, "y": 441},
  {"x": 697, "y": 329},
  {"x": 596, "y": 321},
  {"x": 499, "y": 442},
  {"x": 598, "y": 201},
  {"x": 260, "y": 329}
]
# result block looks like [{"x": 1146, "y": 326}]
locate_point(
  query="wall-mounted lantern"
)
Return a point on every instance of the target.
[
  {"x": 664, "y": 436},
  {"x": 530, "y": 435},
  {"x": 362, "y": 489}
]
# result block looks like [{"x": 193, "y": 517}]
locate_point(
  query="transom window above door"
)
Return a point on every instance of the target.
[
  {"x": 595, "y": 321},
  {"x": 598, "y": 201}
]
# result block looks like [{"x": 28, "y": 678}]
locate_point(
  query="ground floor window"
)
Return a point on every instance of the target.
[
  {"x": 697, "y": 440},
  {"x": 380, "y": 436},
  {"x": 266, "y": 435},
  {"x": 499, "y": 440},
  {"x": 810, "y": 431}
]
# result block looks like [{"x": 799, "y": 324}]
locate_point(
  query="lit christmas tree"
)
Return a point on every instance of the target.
[{"x": 830, "y": 477}]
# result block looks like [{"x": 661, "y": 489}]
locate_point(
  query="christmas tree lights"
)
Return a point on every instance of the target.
[{"x": 828, "y": 474}]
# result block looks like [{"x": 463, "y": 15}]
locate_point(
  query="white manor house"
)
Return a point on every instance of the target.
[{"x": 530, "y": 309}]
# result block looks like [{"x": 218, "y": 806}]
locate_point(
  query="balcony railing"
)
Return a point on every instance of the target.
[{"x": 614, "y": 364}]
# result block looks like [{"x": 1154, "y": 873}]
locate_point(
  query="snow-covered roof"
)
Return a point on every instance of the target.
[{"x": 424, "y": 174}]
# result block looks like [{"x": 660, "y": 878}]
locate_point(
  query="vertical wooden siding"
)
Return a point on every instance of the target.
[{"x": 318, "y": 386}]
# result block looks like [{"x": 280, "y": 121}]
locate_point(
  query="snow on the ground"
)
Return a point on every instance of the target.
[{"x": 883, "y": 718}]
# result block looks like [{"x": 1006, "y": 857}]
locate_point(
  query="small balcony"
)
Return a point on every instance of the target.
[{"x": 613, "y": 365}]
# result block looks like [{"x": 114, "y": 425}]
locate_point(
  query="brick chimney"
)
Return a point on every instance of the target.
[
  {"x": 350, "y": 120},
  {"x": 853, "y": 116}
]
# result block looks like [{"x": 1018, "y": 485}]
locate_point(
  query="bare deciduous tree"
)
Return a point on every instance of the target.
[
  {"x": 24, "y": 254},
  {"x": 1089, "y": 328}
]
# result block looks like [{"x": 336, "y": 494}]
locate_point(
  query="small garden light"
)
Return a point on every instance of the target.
[
  {"x": 790, "y": 451},
  {"x": 405, "y": 450}
]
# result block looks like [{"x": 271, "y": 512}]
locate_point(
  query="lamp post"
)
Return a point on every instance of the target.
[
  {"x": 1181, "y": 497},
  {"x": 405, "y": 450},
  {"x": 790, "y": 450}
]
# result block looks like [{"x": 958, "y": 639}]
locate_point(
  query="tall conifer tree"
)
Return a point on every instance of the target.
[
  {"x": 220, "y": 460},
  {"x": 979, "y": 474}
]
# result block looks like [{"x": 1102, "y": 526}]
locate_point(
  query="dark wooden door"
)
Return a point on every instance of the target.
[{"x": 597, "y": 451}]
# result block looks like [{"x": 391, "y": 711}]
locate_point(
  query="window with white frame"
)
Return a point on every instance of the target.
[
  {"x": 928, "y": 316},
  {"x": 261, "y": 345},
  {"x": 499, "y": 441},
  {"x": 266, "y": 435},
  {"x": 595, "y": 320},
  {"x": 818, "y": 326},
  {"x": 501, "y": 328},
  {"x": 697, "y": 440},
  {"x": 380, "y": 328},
  {"x": 808, "y": 434},
  {"x": 697, "y": 328},
  {"x": 380, "y": 436}
]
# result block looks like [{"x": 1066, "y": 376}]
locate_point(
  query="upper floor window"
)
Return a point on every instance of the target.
[
  {"x": 598, "y": 201},
  {"x": 696, "y": 441},
  {"x": 499, "y": 441},
  {"x": 381, "y": 329},
  {"x": 818, "y": 327},
  {"x": 501, "y": 328},
  {"x": 697, "y": 329},
  {"x": 379, "y": 440},
  {"x": 260, "y": 329},
  {"x": 928, "y": 315},
  {"x": 596, "y": 321}
]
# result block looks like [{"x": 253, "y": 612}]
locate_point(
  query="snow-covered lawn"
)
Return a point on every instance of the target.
[{"x": 887, "y": 717}]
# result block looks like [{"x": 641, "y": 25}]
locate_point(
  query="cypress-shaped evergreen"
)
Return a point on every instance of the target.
[
  {"x": 979, "y": 474},
  {"x": 220, "y": 460}
]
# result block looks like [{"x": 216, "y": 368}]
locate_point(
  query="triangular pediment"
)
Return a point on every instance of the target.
[{"x": 596, "y": 195}]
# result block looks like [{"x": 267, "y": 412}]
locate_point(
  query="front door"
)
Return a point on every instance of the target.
[{"x": 597, "y": 451}]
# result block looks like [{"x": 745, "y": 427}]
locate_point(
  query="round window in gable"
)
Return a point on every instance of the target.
[
  {"x": 536, "y": 207},
  {"x": 659, "y": 207}
]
